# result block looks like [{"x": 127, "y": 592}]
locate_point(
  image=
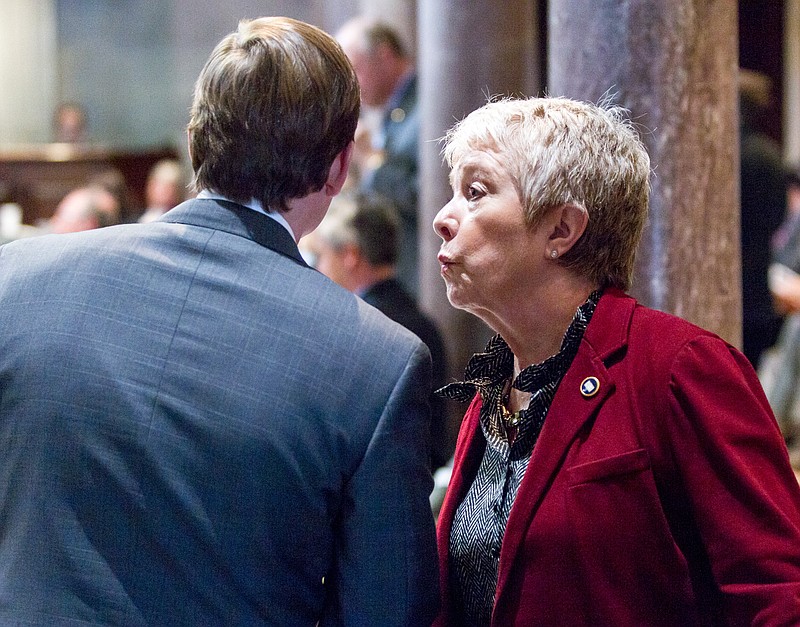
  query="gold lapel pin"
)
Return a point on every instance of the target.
[{"x": 590, "y": 386}]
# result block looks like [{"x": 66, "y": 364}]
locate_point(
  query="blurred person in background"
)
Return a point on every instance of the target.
[
  {"x": 69, "y": 124},
  {"x": 763, "y": 209},
  {"x": 166, "y": 188},
  {"x": 779, "y": 368},
  {"x": 386, "y": 155},
  {"x": 356, "y": 245}
]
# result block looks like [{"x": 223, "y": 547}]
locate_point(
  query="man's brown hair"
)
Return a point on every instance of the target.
[{"x": 275, "y": 103}]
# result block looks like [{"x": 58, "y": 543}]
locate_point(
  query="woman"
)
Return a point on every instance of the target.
[{"x": 617, "y": 465}]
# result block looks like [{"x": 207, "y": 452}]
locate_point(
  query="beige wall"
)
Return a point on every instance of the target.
[
  {"x": 132, "y": 64},
  {"x": 27, "y": 69}
]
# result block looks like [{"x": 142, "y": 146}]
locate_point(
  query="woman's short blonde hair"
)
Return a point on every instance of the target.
[{"x": 560, "y": 151}]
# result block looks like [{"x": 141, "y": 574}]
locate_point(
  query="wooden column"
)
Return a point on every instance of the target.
[
  {"x": 791, "y": 81},
  {"x": 466, "y": 52},
  {"x": 673, "y": 63}
]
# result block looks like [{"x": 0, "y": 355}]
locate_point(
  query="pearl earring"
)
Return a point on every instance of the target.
[{"x": 553, "y": 254}]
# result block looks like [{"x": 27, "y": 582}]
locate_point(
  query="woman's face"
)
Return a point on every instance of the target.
[{"x": 489, "y": 256}]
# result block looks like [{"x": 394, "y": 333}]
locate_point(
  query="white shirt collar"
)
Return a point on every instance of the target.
[{"x": 254, "y": 204}]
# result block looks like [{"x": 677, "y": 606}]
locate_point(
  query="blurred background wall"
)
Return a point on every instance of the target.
[{"x": 132, "y": 63}]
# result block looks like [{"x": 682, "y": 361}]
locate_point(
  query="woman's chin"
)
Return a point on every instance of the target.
[
  {"x": 453, "y": 299},
  {"x": 457, "y": 298}
]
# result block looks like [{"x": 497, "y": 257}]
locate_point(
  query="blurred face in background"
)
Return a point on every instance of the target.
[
  {"x": 70, "y": 124},
  {"x": 166, "y": 185},
  {"x": 84, "y": 209},
  {"x": 334, "y": 263},
  {"x": 371, "y": 73}
]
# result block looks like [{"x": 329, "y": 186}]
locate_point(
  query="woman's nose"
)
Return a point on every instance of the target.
[{"x": 445, "y": 224}]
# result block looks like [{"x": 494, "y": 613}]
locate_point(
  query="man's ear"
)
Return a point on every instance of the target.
[
  {"x": 351, "y": 256},
  {"x": 566, "y": 223},
  {"x": 338, "y": 172}
]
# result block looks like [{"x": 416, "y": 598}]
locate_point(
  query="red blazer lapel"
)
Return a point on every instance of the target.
[
  {"x": 572, "y": 407},
  {"x": 568, "y": 413},
  {"x": 580, "y": 394}
]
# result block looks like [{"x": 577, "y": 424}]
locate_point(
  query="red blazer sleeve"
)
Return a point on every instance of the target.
[{"x": 738, "y": 481}]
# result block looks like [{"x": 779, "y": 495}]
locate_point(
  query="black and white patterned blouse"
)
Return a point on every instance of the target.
[{"x": 481, "y": 518}]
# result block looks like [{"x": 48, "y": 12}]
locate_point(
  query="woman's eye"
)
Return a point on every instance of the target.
[{"x": 474, "y": 192}]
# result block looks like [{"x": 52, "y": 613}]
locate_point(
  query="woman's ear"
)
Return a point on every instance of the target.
[{"x": 567, "y": 223}]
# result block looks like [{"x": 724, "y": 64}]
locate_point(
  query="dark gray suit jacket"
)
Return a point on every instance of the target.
[
  {"x": 196, "y": 428},
  {"x": 389, "y": 297},
  {"x": 397, "y": 178}
]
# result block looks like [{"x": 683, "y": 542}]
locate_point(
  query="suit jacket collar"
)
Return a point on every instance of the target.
[
  {"x": 231, "y": 217},
  {"x": 612, "y": 320}
]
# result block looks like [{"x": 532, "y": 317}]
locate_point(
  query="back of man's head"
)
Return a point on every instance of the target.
[
  {"x": 166, "y": 185},
  {"x": 276, "y": 102},
  {"x": 369, "y": 222},
  {"x": 378, "y": 55},
  {"x": 376, "y": 225},
  {"x": 84, "y": 209}
]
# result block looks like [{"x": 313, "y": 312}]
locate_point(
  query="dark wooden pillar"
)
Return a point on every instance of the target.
[
  {"x": 791, "y": 81},
  {"x": 673, "y": 63},
  {"x": 466, "y": 52}
]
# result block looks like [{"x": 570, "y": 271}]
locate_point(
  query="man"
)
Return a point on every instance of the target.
[
  {"x": 69, "y": 123},
  {"x": 165, "y": 189},
  {"x": 386, "y": 157},
  {"x": 196, "y": 428},
  {"x": 83, "y": 209},
  {"x": 356, "y": 246},
  {"x": 763, "y": 208}
]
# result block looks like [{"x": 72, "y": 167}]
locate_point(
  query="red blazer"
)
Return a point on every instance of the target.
[{"x": 665, "y": 498}]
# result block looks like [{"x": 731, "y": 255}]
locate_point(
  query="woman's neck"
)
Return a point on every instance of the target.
[{"x": 534, "y": 330}]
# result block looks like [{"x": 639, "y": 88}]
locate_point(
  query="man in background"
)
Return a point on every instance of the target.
[
  {"x": 763, "y": 209},
  {"x": 83, "y": 209},
  {"x": 165, "y": 188},
  {"x": 356, "y": 246},
  {"x": 196, "y": 428},
  {"x": 386, "y": 157},
  {"x": 69, "y": 124}
]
